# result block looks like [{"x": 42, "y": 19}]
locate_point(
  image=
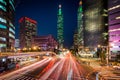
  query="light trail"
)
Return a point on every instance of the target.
[
  {"x": 69, "y": 76},
  {"x": 49, "y": 72},
  {"x": 56, "y": 74},
  {"x": 52, "y": 62},
  {"x": 65, "y": 68},
  {"x": 76, "y": 72},
  {"x": 24, "y": 70},
  {"x": 63, "y": 73},
  {"x": 75, "y": 69}
]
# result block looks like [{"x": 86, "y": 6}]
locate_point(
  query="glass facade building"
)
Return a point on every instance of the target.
[
  {"x": 80, "y": 38},
  {"x": 75, "y": 38},
  {"x": 95, "y": 23},
  {"x": 28, "y": 29},
  {"x": 114, "y": 27},
  {"x": 60, "y": 28},
  {"x": 7, "y": 28}
]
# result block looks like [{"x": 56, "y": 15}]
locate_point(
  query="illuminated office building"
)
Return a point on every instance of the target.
[
  {"x": 28, "y": 29},
  {"x": 60, "y": 28},
  {"x": 114, "y": 27},
  {"x": 95, "y": 23},
  {"x": 7, "y": 28},
  {"x": 47, "y": 42}
]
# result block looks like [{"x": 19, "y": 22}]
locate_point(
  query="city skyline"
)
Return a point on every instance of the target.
[
  {"x": 59, "y": 39},
  {"x": 45, "y": 13}
]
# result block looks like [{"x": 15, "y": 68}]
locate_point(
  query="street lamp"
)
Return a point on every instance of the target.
[
  {"x": 107, "y": 55},
  {"x": 35, "y": 48},
  {"x": 108, "y": 52},
  {"x": 29, "y": 49},
  {"x": 99, "y": 46},
  {"x": 24, "y": 49}
]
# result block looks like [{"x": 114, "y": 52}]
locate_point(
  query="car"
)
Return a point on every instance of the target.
[{"x": 2, "y": 69}]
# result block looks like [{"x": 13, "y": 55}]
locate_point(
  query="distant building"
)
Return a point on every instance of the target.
[
  {"x": 60, "y": 28},
  {"x": 114, "y": 27},
  {"x": 7, "y": 28},
  {"x": 28, "y": 29},
  {"x": 75, "y": 39},
  {"x": 80, "y": 32},
  {"x": 95, "y": 23},
  {"x": 17, "y": 45},
  {"x": 45, "y": 42},
  {"x": 75, "y": 42}
]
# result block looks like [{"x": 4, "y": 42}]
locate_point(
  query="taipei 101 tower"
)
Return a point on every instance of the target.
[{"x": 60, "y": 28}]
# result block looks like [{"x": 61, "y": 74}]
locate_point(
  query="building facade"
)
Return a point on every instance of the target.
[
  {"x": 75, "y": 42},
  {"x": 60, "y": 28},
  {"x": 114, "y": 27},
  {"x": 7, "y": 28},
  {"x": 95, "y": 23},
  {"x": 45, "y": 42},
  {"x": 80, "y": 39},
  {"x": 28, "y": 29},
  {"x": 17, "y": 43}
]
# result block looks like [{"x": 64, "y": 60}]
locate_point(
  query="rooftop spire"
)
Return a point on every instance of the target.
[
  {"x": 60, "y": 5},
  {"x": 80, "y": 3}
]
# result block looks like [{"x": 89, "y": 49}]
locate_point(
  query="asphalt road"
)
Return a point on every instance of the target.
[{"x": 53, "y": 68}]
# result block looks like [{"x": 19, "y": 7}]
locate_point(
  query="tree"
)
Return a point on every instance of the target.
[{"x": 118, "y": 58}]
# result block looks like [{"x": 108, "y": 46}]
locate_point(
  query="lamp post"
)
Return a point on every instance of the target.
[
  {"x": 98, "y": 51},
  {"x": 108, "y": 52},
  {"x": 107, "y": 55}
]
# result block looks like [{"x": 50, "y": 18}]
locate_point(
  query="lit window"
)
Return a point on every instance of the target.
[
  {"x": 106, "y": 24},
  {"x": 2, "y": 20},
  {"x": 2, "y": 45},
  {"x": 114, "y": 30},
  {"x": 11, "y": 35},
  {"x": 12, "y": 4},
  {"x": 11, "y": 25},
  {"x": 12, "y": 0},
  {"x": 2, "y": 1},
  {"x": 114, "y": 7},
  {"x": 60, "y": 11},
  {"x": 104, "y": 15},
  {"x": 117, "y": 17},
  {"x": 105, "y": 10},
  {"x": 11, "y": 30},
  {"x": 3, "y": 26},
  {"x": 2, "y": 39},
  {"x": 3, "y": 8}
]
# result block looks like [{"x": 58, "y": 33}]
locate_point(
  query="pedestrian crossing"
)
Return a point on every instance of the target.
[{"x": 24, "y": 77}]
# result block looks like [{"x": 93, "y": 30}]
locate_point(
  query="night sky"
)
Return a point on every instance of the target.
[{"x": 45, "y": 13}]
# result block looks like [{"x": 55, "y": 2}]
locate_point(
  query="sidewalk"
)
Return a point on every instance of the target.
[{"x": 105, "y": 72}]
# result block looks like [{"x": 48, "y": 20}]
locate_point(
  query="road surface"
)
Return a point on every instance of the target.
[{"x": 51, "y": 68}]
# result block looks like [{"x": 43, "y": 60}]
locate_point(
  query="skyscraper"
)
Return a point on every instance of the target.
[
  {"x": 28, "y": 29},
  {"x": 114, "y": 27},
  {"x": 60, "y": 28},
  {"x": 80, "y": 26},
  {"x": 75, "y": 39},
  {"x": 95, "y": 23},
  {"x": 7, "y": 28}
]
